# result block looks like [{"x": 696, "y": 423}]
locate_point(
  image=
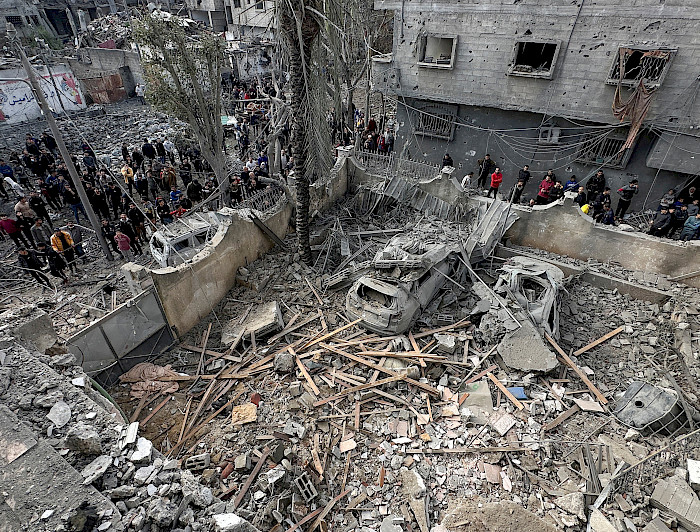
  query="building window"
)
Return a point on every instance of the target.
[
  {"x": 260, "y": 5},
  {"x": 237, "y": 4},
  {"x": 534, "y": 59},
  {"x": 35, "y": 19},
  {"x": 638, "y": 64},
  {"x": 229, "y": 15},
  {"x": 437, "y": 51},
  {"x": 16, "y": 20},
  {"x": 606, "y": 151},
  {"x": 436, "y": 121}
]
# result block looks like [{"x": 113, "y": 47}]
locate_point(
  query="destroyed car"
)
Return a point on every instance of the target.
[
  {"x": 535, "y": 285},
  {"x": 408, "y": 274},
  {"x": 181, "y": 240}
]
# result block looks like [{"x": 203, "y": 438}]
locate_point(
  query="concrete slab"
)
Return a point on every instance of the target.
[
  {"x": 694, "y": 473},
  {"x": 525, "y": 350},
  {"x": 479, "y": 402},
  {"x": 39, "y": 479},
  {"x": 656, "y": 525},
  {"x": 262, "y": 320},
  {"x": 599, "y": 522}
]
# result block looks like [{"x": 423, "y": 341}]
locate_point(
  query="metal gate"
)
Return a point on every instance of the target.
[{"x": 131, "y": 333}]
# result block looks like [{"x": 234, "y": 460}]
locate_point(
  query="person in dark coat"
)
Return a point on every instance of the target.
[{"x": 29, "y": 261}]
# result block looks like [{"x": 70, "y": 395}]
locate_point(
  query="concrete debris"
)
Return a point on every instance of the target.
[
  {"x": 84, "y": 439},
  {"x": 261, "y": 321},
  {"x": 59, "y": 414},
  {"x": 525, "y": 350}
]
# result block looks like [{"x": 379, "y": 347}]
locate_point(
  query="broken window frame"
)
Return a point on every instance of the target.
[
  {"x": 260, "y": 5},
  {"x": 614, "y": 73},
  {"x": 15, "y": 20},
  {"x": 595, "y": 151},
  {"x": 237, "y": 4},
  {"x": 436, "y": 120},
  {"x": 423, "y": 45},
  {"x": 548, "y": 74}
]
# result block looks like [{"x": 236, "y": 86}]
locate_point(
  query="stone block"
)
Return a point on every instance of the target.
[
  {"x": 231, "y": 523},
  {"x": 694, "y": 474}
]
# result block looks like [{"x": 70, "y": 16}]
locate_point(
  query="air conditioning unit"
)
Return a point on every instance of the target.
[{"x": 549, "y": 135}]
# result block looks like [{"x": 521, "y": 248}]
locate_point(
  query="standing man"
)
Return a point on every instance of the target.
[
  {"x": 77, "y": 235},
  {"x": 496, "y": 180},
  {"x": 38, "y": 205},
  {"x": 29, "y": 262},
  {"x": 626, "y": 194},
  {"x": 40, "y": 233},
  {"x": 524, "y": 174},
  {"x": 595, "y": 186},
  {"x": 486, "y": 168},
  {"x": 13, "y": 230},
  {"x": 543, "y": 193},
  {"x": 141, "y": 93},
  {"x": 62, "y": 243}
]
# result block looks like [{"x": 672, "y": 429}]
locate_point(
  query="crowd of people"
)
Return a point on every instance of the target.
[{"x": 677, "y": 215}]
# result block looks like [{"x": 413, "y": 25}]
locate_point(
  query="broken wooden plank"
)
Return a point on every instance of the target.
[
  {"x": 155, "y": 410},
  {"x": 200, "y": 367},
  {"x": 599, "y": 341},
  {"x": 327, "y": 510},
  {"x": 457, "y": 325},
  {"x": 332, "y": 333},
  {"x": 213, "y": 354},
  {"x": 561, "y": 418},
  {"x": 289, "y": 328},
  {"x": 372, "y": 365},
  {"x": 305, "y": 373},
  {"x": 601, "y": 398},
  {"x": 318, "y": 298},
  {"x": 505, "y": 391},
  {"x": 359, "y": 388},
  {"x": 251, "y": 477}
]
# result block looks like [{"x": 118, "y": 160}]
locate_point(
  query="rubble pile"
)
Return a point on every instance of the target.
[
  {"x": 106, "y": 128},
  {"x": 316, "y": 416},
  {"x": 88, "y": 443}
]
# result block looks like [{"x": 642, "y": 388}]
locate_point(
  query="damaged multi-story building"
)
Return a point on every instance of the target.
[{"x": 536, "y": 82}]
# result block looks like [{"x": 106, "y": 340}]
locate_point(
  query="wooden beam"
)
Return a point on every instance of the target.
[
  {"x": 599, "y": 341},
  {"x": 305, "y": 373},
  {"x": 601, "y": 398},
  {"x": 332, "y": 333},
  {"x": 561, "y": 418},
  {"x": 326, "y": 511},
  {"x": 354, "y": 389},
  {"x": 251, "y": 478},
  {"x": 456, "y": 325},
  {"x": 155, "y": 411},
  {"x": 372, "y": 365},
  {"x": 505, "y": 391}
]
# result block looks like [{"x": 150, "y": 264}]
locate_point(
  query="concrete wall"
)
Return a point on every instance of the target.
[
  {"x": 325, "y": 192},
  {"x": 190, "y": 291},
  {"x": 17, "y": 103},
  {"x": 588, "y": 33},
  {"x": 565, "y": 230},
  {"x": 470, "y": 144},
  {"x": 98, "y": 64}
]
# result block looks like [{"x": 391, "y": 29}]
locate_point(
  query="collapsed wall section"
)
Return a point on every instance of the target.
[
  {"x": 565, "y": 230},
  {"x": 190, "y": 291}
]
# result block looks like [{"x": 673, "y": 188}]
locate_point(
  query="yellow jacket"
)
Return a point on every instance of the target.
[
  {"x": 56, "y": 243},
  {"x": 128, "y": 173}
]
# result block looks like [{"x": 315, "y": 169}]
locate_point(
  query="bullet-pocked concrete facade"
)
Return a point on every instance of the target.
[{"x": 534, "y": 64}]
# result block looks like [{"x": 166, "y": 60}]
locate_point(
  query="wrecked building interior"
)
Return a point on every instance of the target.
[{"x": 444, "y": 362}]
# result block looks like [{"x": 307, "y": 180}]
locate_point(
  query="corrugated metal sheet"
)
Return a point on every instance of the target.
[{"x": 108, "y": 89}]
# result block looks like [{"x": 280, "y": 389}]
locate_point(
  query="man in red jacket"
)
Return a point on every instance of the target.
[
  {"x": 545, "y": 186},
  {"x": 496, "y": 180}
]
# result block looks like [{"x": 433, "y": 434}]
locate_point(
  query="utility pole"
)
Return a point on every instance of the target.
[{"x": 39, "y": 93}]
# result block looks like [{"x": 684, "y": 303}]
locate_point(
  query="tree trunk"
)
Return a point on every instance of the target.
[{"x": 299, "y": 45}]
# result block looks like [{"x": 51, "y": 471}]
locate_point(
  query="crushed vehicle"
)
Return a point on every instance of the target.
[
  {"x": 181, "y": 240},
  {"x": 406, "y": 277},
  {"x": 536, "y": 286}
]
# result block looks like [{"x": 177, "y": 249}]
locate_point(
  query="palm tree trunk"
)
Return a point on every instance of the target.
[{"x": 299, "y": 45}]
